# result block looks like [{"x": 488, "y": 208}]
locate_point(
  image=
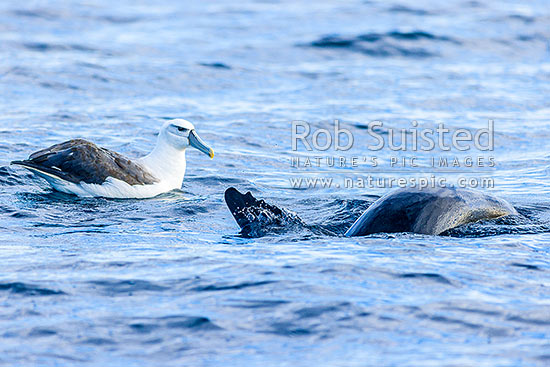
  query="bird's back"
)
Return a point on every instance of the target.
[{"x": 80, "y": 161}]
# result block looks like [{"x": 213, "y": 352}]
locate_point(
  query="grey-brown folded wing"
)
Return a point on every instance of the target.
[{"x": 81, "y": 161}]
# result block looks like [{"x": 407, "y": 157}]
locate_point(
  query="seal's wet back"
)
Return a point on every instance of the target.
[{"x": 428, "y": 211}]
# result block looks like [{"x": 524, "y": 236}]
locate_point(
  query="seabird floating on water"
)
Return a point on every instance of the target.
[{"x": 82, "y": 168}]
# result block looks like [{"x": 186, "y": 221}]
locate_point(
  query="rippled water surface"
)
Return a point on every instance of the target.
[{"x": 169, "y": 281}]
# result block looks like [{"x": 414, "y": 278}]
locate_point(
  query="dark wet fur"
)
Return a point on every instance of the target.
[
  {"x": 81, "y": 161},
  {"x": 256, "y": 217}
]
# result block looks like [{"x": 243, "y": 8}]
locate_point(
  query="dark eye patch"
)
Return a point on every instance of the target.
[{"x": 182, "y": 129}]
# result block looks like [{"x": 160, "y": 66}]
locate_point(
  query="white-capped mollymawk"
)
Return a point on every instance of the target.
[{"x": 84, "y": 169}]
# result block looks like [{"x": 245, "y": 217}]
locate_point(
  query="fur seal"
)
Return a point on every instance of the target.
[{"x": 429, "y": 211}]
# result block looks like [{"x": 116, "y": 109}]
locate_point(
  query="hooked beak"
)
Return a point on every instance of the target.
[{"x": 197, "y": 143}]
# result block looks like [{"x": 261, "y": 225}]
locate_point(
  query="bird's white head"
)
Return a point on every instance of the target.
[{"x": 181, "y": 134}]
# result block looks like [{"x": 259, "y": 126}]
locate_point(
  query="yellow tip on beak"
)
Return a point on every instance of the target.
[{"x": 211, "y": 154}]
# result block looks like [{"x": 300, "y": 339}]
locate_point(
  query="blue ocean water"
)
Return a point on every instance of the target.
[{"x": 169, "y": 281}]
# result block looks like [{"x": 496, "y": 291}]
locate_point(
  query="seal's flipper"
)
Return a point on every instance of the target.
[
  {"x": 256, "y": 217},
  {"x": 240, "y": 205}
]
